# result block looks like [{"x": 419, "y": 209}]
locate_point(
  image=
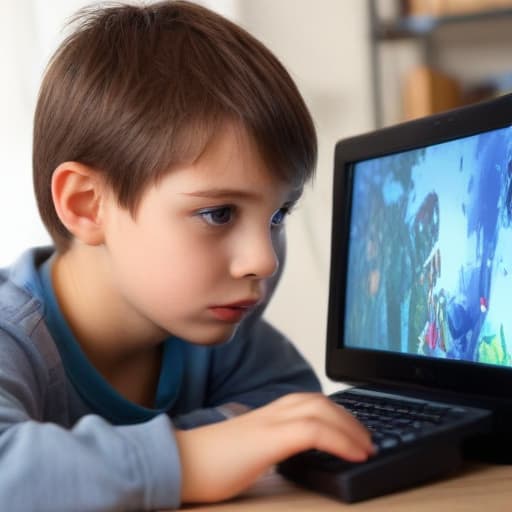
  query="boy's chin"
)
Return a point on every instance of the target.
[
  {"x": 226, "y": 338},
  {"x": 215, "y": 338}
]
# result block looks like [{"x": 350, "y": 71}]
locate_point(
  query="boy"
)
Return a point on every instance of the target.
[{"x": 169, "y": 145}]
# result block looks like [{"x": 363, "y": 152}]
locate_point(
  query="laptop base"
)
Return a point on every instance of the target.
[
  {"x": 375, "y": 478},
  {"x": 494, "y": 448}
]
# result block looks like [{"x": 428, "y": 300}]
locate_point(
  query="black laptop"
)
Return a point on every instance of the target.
[{"x": 420, "y": 301}]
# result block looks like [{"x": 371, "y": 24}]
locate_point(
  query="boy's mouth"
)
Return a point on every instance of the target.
[{"x": 233, "y": 313}]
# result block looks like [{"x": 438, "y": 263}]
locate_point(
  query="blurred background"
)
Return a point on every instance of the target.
[{"x": 360, "y": 64}]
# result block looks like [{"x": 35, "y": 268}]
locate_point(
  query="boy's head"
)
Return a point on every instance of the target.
[{"x": 134, "y": 92}]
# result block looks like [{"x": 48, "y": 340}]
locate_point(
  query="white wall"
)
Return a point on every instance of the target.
[
  {"x": 324, "y": 45},
  {"x": 24, "y": 42}
]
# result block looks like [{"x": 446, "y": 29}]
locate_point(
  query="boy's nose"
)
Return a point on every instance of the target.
[{"x": 255, "y": 256}]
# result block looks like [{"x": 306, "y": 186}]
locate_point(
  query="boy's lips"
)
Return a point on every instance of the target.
[{"x": 234, "y": 312}]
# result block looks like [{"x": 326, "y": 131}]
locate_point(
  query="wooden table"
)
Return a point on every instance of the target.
[{"x": 478, "y": 488}]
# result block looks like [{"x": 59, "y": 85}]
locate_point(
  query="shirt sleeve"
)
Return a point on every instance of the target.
[
  {"x": 93, "y": 466},
  {"x": 258, "y": 366}
]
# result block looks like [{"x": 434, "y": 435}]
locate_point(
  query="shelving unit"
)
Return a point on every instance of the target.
[{"x": 424, "y": 31}]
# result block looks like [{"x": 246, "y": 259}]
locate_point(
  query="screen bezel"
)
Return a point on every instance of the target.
[{"x": 375, "y": 366}]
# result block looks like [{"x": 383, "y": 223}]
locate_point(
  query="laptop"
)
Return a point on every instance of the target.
[{"x": 420, "y": 300}]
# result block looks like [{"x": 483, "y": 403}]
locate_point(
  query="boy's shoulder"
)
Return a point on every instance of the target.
[
  {"x": 23, "y": 334},
  {"x": 30, "y": 366},
  {"x": 19, "y": 303}
]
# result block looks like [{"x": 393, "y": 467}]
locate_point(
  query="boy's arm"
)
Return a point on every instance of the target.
[
  {"x": 96, "y": 466},
  {"x": 93, "y": 466}
]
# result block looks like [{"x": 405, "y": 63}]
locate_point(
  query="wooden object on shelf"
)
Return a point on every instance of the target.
[
  {"x": 428, "y": 91},
  {"x": 452, "y": 7},
  {"x": 423, "y": 7}
]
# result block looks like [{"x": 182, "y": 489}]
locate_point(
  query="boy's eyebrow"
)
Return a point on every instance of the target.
[
  {"x": 221, "y": 192},
  {"x": 215, "y": 193}
]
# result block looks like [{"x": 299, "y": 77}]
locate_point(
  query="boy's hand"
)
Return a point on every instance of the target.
[{"x": 220, "y": 460}]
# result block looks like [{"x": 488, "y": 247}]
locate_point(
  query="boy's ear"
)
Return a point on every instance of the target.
[{"x": 78, "y": 193}]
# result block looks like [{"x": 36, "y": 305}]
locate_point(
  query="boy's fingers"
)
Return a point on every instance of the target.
[
  {"x": 354, "y": 427},
  {"x": 320, "y": 408},
  {"x": 296, "y": 435},
  {"x": 338, "y": 443}
]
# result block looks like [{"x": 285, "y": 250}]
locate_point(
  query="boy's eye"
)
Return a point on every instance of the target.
[
  {"x": 279, "y": 216},
  {"x": 217, "y": 216}
]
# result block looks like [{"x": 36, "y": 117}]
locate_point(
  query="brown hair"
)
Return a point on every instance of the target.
[{"x": 135, "y": 90}]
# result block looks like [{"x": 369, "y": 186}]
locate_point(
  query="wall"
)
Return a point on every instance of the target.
[{"x": 324, "y": 45}]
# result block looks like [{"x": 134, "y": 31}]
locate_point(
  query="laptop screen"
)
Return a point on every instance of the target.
[
  {"x": 421, "y": 254},
  {"x": 430, "y": 251}
]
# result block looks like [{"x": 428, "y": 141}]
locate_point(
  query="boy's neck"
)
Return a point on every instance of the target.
[
  {"x": 136, "y": 379},
  {"x": 116, "y": 343}
]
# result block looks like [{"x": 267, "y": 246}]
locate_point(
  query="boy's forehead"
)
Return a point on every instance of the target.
[
  {"x": 228, "y": 170},
  {"x": 231, "y": 155},
  {"x": 205, "y": 179}
]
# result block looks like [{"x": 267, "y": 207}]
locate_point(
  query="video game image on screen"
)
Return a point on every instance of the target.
[{"x": 430, "y": 251}]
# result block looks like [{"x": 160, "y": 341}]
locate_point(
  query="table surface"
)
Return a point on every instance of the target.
[{"x": 476, "y": 488}]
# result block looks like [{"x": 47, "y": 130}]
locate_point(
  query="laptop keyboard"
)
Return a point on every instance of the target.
[{"x": 395, "y": 421}]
